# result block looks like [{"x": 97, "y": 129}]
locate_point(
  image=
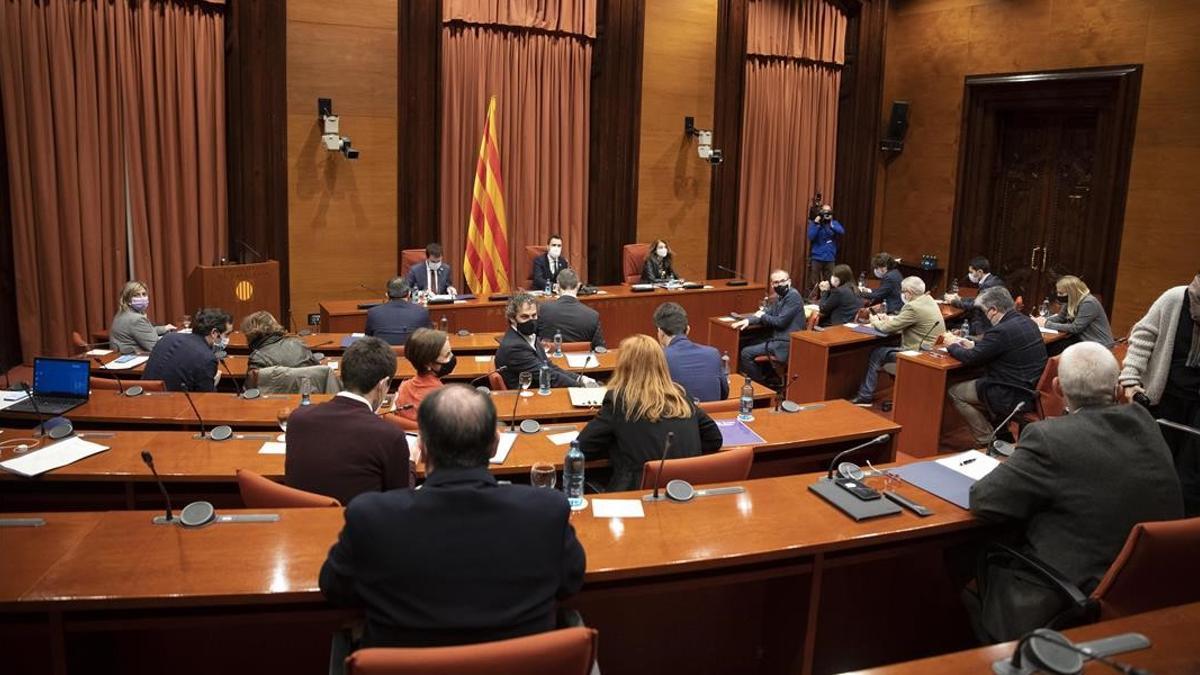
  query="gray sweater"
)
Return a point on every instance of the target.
[
  {"x": 1090, "y": 323},
  {"x": 1151, "y": 342},
  {"x": 132, "y": 330}
]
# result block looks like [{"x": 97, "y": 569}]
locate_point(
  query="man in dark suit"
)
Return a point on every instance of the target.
[
  {"x": 464, "y": 559},
  {"x": 521, "y": 351},
  {"x": 397, "y": 318},
  {"x": 887, "y": 270},
  {"x": 567, "y": 315},
  {"x": 547, "y": 266},
  {"x": 341, "y": 448},
  {"x": 784, "y": 315},
  {"x": 1013, "y": 355},
  {"x": 699, "y": 369},
  {"x": 188, "y": 360},
  {"x": 979, "y": 272},
  {"x": 1078, "y": 484},
  {"x": 433, "y": 274}
]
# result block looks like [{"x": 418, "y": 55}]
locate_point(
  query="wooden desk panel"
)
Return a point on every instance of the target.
[
  {"x": 829, "y": 363},
  {"x": 331, "y": 343},
  {"x": 30, "y": 551}
]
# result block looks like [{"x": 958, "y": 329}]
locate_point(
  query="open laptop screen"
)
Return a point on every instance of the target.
[{"x": 60, "y": 377}]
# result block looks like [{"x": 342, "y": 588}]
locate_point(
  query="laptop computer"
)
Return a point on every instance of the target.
[{"x": 59, "y": 385}]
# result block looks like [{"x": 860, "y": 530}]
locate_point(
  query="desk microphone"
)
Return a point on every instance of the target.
[
  {"x": 1179, "y": 427},
  {"x": 1058, "y": 654},
  {"x": 1003, "y": 447},
  {"x": 782, "y": 402},
  {"x": 512, "y": 420},
  {"x": 135, "y": 390},
  {"x": 738, "y": 279},
  {"x": 921, "y": 344},
  {"x": 57, "y": 427},
  {"x": 219, "y": 433},
  {"x": 881, "y": 438},
  {"x": 304, "y": 332},
  {"x": 658, "y": 474},
  {"x": 485, "y": 376},
  {"x": 198, "y": 514},
  {"x": 373, "y": 290},
  {"x": 148, "y": 459},
  {"x": 250, "y": 393}
]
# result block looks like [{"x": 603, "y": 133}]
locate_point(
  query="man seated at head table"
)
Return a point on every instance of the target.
[
  {"x": 696, "y": 368},
  {"x": 189, "y": 360},
  {"x": 520, "y": 350},
  {"x": 341, "y": 448},
  {"x": 919, "y": 323},
  {"x": 1013, "y": 356},
  {"x": 567, "y": 315},
  {"x": 464, "y": 559},
  {"x": 1077, "y": 484},
  {"x": 548, "y": 265},
  {"x": 431, "y": 274},
  {"x": 396, "y": 319}
]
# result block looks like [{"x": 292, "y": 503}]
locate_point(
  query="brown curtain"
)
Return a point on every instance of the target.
[
  {"x": 535, "y": 57},
  {"x": 789, "y": 127},
  {"x": 77, "y": 81}
]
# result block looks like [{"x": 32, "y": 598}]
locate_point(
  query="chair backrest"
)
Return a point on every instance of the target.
[
  {"x": 568, "y": 346},
  {"x": 260, "y": 492},
  {"x": 106, "y": 384},
  {"x": 284, "y": 380},
  {"x": 570, "y": 651},
  {"x": 532, "y": 252},
  {"x": 724, "y": 405},
  {"x": 496, "y": 382},
  {"x": 1052, "y": 404},
  {"x": 1155, "y": 569},
  {"x": 720, "y": 467},
  {"x": 410, "y": 257},
  {"x": 633, "y": 259}
]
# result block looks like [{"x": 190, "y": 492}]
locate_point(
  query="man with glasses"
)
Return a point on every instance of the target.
[{"x": 783, "y": 315}]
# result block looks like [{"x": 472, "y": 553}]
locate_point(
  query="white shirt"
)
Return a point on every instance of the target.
[{"x": 355, "y": 397}]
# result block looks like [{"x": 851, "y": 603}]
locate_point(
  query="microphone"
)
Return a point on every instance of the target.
[
  {"x": 304, "y": 332},
  {"x": 195, "y": 514},
  {"x": 881, "y": 438},
  {"x": 371, "y": 290},
  {"x": 512, "y": 421},
  {"x": 61, "y": 427},
  {"x": 487, "y": 375},
  {"x": 1066, "y": 656},
  {"x": 257, "y": 256},
  {"x": 398, "y": 409},
  {"x": 250, "y": 393},
  {"x": 1003, "y": 447},
  {"x": 782, "y": 402},
  {"x": 658, "y": 474},
  {"x": 135, "y": 390},
  {"x": 738, "y": 279},
  {"x": 219, "y": 433},
  {"x": 148, "y": 459},
  {"x": 1179, "y": 427}
]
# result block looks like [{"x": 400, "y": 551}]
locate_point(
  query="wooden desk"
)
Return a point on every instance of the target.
[
  {"x": 331, "y": 343},
  {"x": 828, "y": 363},
  {"x": 1173, "y": 647},
  {"x": 622, "y": 312}
]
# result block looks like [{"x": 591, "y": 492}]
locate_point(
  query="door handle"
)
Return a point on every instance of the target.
[
  {"x": 1045, "y": 255},
  {"x": 1033, "y": 257}
]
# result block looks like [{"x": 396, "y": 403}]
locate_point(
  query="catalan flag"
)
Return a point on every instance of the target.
[{"x": 486, "y": 261}]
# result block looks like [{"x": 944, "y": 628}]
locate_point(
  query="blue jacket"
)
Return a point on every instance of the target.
[
  {"x": 976, "y": 315},
  {"x": 784, "y": 316},
  {"x": 394, "y": 321},
  {"x": 183, "y": 359},
  {"x": 1012, "y": 353},
  {"x": 888, "y": 292},
  {"x": 697, "y": 368},
  {"x": 418, "y": 278},
  {"x": 822, "y": 239}
]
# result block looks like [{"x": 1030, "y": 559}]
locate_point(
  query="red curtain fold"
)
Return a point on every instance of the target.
[
  {"x": 576, "y": 17},
  {"x": 542, "y": 84}
]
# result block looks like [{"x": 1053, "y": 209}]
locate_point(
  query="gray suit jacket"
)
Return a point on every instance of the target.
[
  {"x": 576, "y": 321},
  {"x": 132, "y": 330}
]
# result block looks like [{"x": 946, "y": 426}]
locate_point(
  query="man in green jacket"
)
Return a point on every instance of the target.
[{"x": 919, "y": 323}]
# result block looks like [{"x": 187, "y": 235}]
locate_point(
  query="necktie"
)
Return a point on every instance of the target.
[{"x": 429, "y": 281}]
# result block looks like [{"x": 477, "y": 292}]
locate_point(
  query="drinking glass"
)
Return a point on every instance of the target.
[
  {"x": 543, "y": 475},
  {"x": 526, "y": 380},
  {"x": 282, "y": 416}
]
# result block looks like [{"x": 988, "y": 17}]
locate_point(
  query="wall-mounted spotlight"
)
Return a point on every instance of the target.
[
  {"x": 704, "y": 139},
  {"x": 329, "y": 130}
]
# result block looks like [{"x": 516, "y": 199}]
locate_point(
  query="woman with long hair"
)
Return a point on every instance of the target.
[
  {"x": 839, "y": 302},
  {"x": 270, "y": 345},
  {"x": 660, "y": 264},
  {"x": 131, "y": 330},
  {"x": 1080, "y": 314},
  {"x": 643, "y": 404}
]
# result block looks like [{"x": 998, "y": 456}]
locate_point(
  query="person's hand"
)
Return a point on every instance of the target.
[
  {"x": 950, "y": 297},
  {"x": 759, "y": 313},
  {"x": 966, "y": 343},
  {"x": 1133, "y": 389},
  {"x": 824, "y": 285},
  {"x": 1040, "y": 321},
  {"x": 877, "y": 309},
  {"x": 451, "y": 290},
  {"x": 586, "y": 381},
  {"x": 740, "y": 324},
  {"x": 949, "y": 338},
  {"x": 170, "y": 327}
]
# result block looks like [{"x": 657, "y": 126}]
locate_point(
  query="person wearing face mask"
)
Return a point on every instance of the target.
[
  {"x": 886, "y": 269},
  {"x": 1013, "y": 356},
  {"x": 823, "y": 234},
  {"x": 429, "y": 353},
  {"x": 546, "y": 267},
  {"x": 396, "y": 319},
  {"x": 978, "y": 273},
  {"x": 130, "y": 330},
  {"x": 520, "y": 351},
  {"x": 432, "y": 274},
  {"x": 783, "y": 315},
  {"x": 1080, "y": 315},
  {"x": 659, "y": 267},
  {"x": 839, "y": 302},
  {"x": 342, "y": 448},
  {"x": 919, "y": 322},
  {"x": 189, "y": 360}
]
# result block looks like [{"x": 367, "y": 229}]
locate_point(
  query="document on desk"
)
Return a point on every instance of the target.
[
  {"x": 98, "y": 352},
  {"x": 484, "y": 359},
  {"x": 867, "y": 330},
  {"x": 12, "y": 398},
  {"x": 126, "y": 362},
  {"x": 507, "y": 439},
  {"x": 563, "y": 438},
  {"x": 1047, "y": 331},
  {"x": 735, "y": 432},
  {"x": 586, "y": 397},
  {"x": 618, "y": 508},
  {"x": 582, "y": 360},
  {"x": 273, "y": 448},
  {"x": 949, "y": 478},
  {"x": 54, "y": 456},
  {"x": 973, "y": 464}
]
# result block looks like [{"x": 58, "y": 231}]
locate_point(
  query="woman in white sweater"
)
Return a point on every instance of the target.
[{"x": 1163, "y": 362}]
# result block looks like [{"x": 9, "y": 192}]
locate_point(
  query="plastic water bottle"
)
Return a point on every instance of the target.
[
  {"x": 746, "y": 403},
  {"x": 558, "y": 343},
  {"x": 306, "y": 389},
  {"x": 1044, "y": 310},
  {"x": 444, "y": 324},
  {"x": 966, "y": 328},
  {"x": 548, "y": 287},
  {"x": 573, "y": 476},
  {"x": 953, "y": 290},
  {"x": 725, "y": 366},
  {"x": 544, "y": 380}
]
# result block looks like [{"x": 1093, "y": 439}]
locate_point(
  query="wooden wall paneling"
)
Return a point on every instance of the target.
[
  {"x": 614, "y": 136},
  {"x": 418, "y": 123},
  {"x": 727, "y": 122},
  {"x": 255, "y": 134},
  {"x": 10, "y": 335}
]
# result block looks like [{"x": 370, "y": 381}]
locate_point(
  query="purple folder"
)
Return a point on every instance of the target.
[
  {"x": 868, "y": 330},
  {"x": 734, "y": 432}
]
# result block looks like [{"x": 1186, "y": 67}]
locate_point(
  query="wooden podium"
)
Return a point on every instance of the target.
[{"x": 237, "y": 289}]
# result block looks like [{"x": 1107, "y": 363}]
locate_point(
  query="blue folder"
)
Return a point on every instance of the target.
[{"x": 941, "y": 481}]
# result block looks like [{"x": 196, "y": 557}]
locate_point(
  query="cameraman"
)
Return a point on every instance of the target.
[{"x": 823, "y": 244}]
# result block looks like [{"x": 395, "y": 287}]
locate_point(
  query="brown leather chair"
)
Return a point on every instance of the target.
[
  {"x": 260, "y": 492},
  {"x": 496, "y": 382},
  {"x": 633, "y": 259},
  {"x": 730, "y": 464},
  {"x": 410, "y": 257},
  {"x": 569, "y": 651},
  {"x": 403, "y": 422},
  {"x": 532, "y": 252},
  {"x": 1053, "y": 405},
  {"x": 724, "y": 405},
  {"x": 109, "y": 384}
]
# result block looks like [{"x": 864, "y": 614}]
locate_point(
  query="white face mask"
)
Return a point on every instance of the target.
[
  {"x": 879, "y": 272},
  {"x": 435, "y": 266},
  {"x": 835, "y": 282},
  {"x": 555, "y": 251},
  {"x": 975, "y": 277},
  {"x": 662, "y": 251}
]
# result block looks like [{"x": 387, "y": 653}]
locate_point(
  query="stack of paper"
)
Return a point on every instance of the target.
[
  {"x": 12, "y": 398},
  {"x": 126, "y": 362},
  {"x": 53, "y": 456}
]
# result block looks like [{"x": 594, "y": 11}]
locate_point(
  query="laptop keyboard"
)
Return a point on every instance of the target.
[{"x": 55, "y": 400}]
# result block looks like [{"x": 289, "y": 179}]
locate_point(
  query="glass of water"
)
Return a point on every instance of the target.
[
  {"x": 543, "y": 475},
  {"x": 281, "y": 416},
  {"x": 526, "y": 380}
]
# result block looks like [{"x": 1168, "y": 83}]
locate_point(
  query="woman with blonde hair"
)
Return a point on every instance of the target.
[
  {"x": 131, "y": 331},
  {"x": 1080, "y": 314},
  {"x": 270, "y": 345},
  {"x": 642, "y": 406},
  {"x": 429, "y": 352}
]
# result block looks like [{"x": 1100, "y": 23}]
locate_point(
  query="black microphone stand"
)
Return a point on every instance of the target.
[{"x": 658, "y": 474}]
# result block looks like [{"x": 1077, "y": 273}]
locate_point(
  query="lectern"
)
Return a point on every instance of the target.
[{"x": 237, "y": 289}]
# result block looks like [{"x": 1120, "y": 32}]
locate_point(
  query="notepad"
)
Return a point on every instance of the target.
[
  {"x": 98, "y": 352},
  {"x": 507, "y": 439},
  {"x": 12, "y": 398},
  {"x": 618, "y": 508},
  {"x": 582, "y": 360},
  {"x": 273, "y": 448},
  {"x": 563, "y": 438},
  {"x": 586, "y": 397},
  {"x": 126, "y": 362},
  {"x": 53, "y": 456}
]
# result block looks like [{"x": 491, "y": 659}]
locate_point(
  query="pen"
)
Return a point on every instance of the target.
[{"x": 966, "y": 461}]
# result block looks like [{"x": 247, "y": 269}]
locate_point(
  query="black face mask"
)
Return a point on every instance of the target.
[
  {"x": 528, "y": 328},
  {"x": 782, "y": 289},
  {"x": 444, "y": 369},
  {"x": 1060, "y": 298}
]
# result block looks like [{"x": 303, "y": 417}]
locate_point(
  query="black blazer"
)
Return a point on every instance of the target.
[
  {"x": 631, "y": 443},
  {"x": 394, "y": 321},
  {"x": 183, "y": 360},
  {"x": 888, "y": 292},
  {"x": 541, "y": 270},
  {"x": 342, "y": 449},
  {"x": 517, "y": 356},
  {"x": 839, "y": 305},
  {"x": 656, "y": 271},
  {"x": 576, "y": 321},
  {"x": 976, "y": 315},
  {"x": 459, "y": 561},
  {"x": 783, "y": 316},
  {"x": 418, "y": 277},
  {"x": 1011, "y": 352}
]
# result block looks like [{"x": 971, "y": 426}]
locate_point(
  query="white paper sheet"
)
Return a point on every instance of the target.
[
  {"x": 98, "y": 352},
  {"x": 973, "y": 464},
  {"x": 358, "y": 335},
  {"x": 586, "y": 397},
  {"x": 1048, "y": 331},
  {"x": 727, "y": 319},
  {"x": 483, "y": 359},
  {"x": 333, "y": 365},
  {"x": 580, "y": 360},
  {"x": 54, "y": 456},
  {"x": 617, "y": 508},
  {"x": 507, "y": 439},
  {"x": 12, "y": 398},
  {"x": 911, "y": 352},
  {"x": 131, "y": 363},
  {"x": 273, "y": 448},
  {"x": 563, "y": 438}
]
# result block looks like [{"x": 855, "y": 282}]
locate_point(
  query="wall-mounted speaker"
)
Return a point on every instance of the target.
[{"x": 893, "y": 140}]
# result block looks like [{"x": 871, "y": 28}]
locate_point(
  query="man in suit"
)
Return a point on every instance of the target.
[
  {"x": 567, "y": 315},
  {"x": 919, "y": 322},
  {"x": 521, "y": 351},
  {"x": 432, "y": 274},
  {"x": 547, "y": 266},
  {"x": 699, "y": 369},
  {"x": 341, "y": 448},
  {"x": 784, "y": 315},
  {"x": 1078, "y": 484},
  {"x": 1013, "y": 356},
  {"x": 979, "y": 272},
  {"x": 397, "y": 318},
  {"x": 886, "y": 270},
  {"x": 490, "y": 561},
  {"x": 188, "y": 360}
]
